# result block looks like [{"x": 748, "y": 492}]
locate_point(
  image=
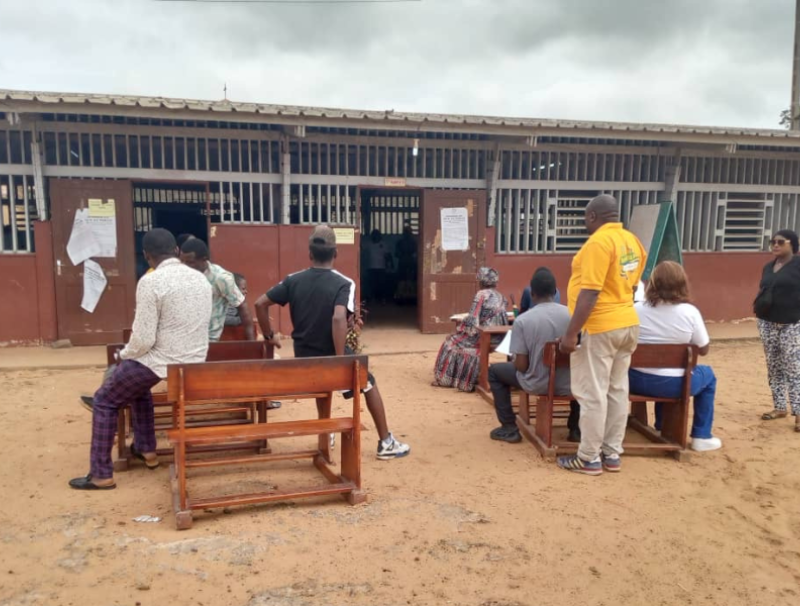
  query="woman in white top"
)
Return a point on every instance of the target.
[{"x": 666, "y": 316}]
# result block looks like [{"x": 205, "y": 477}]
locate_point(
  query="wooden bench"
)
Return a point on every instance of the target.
[
  {"x": 230, "y": 381},
  {"x": 673, "y": 438},
  {"x": 207, "y": 414}
]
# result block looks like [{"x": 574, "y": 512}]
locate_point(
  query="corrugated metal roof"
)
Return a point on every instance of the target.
[{"x": 389, "y": 117}]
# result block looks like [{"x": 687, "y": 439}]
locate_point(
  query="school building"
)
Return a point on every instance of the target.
[{"x": 252, "y": 179}]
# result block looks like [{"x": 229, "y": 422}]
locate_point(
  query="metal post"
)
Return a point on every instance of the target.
[
  {"x": 491, "y": 182},
  {"x": 795, "y": 108},
  {"x": 286, "y": 170},
  {"x": 38, "y": 173}
]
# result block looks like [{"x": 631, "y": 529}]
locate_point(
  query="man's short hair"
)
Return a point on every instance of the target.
[
  {"x": 159, "y": 242},
  {"x": 543, "y": 283},
  {"x": 183, "y": 238},
  {"x": 196, "y": 246},
  {"x": 238, "y": 278},
  {"x": 322, "y": 244}
]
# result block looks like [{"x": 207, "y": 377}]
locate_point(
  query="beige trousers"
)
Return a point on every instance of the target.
[{"x": 599, "y": 377}]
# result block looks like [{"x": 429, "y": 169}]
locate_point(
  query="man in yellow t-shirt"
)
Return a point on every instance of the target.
[{"x": 602, "y": 335}]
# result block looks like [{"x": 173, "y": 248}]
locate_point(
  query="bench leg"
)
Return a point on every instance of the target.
[
  {"x": 351, "y": 458},
  {"x": 356, "y": 497},
  {"x": 324, "y": 440},
  {"x": 264, "y": 447},
  {"x": 183, "y": 517},
  {"x": 544, "y": 422},
  {"x": 682, "y": 456}
]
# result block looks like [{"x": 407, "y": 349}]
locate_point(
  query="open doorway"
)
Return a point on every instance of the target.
[
  {"x": 179, "y": 207},
  {"x": 390, "y": 248}
]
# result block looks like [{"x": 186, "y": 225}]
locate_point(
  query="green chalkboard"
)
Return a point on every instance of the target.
[{"x": 657, "y": 228}]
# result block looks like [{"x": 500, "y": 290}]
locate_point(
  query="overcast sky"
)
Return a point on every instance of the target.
[{"x": 720, "y": 62}]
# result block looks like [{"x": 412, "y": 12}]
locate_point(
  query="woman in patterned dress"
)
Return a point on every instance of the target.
[{"x": 457, "y": 364}]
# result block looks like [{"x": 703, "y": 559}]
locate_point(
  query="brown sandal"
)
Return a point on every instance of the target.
[{"x": 774, "y": 414}]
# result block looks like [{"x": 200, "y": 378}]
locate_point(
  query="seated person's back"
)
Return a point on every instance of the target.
[
  {"x": 532, "y": 330},
  {"x": 546, "y": 321}
]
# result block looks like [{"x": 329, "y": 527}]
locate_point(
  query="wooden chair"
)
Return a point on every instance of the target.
[
  {"x": 484, "y": 349},
  {"x": 216, "y": 413},
  {"x": 299, "y": 378},
  {"x": 673, "y": 438}
]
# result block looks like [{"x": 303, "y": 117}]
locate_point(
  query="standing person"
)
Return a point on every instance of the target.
[
  {"x": 173, "y": 308},
  {"x": 777, "y": 308},
  {"x": 406, "y": 251},
  {"x": 546, "y": 321},
  {"x": 194, "y": 253},
  {"x": 667, "y": 316},
  {"x": 232, "y": 317},
  {"x": 602, "y": 335},
  {"x": 320, "y": 301},
  {"x": 458, "y": 362},
  {"x": 377, "y": 260}
]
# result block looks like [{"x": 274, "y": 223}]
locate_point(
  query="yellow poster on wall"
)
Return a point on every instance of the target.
[
  {"x": 102, "y": 208},
  {"x": 345, "y": 235}
]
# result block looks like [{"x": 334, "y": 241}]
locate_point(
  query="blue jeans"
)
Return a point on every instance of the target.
[{"x": 704, "y": 387}]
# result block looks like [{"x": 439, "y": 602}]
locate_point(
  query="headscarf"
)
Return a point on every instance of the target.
[{"x": 488, "y": 277}]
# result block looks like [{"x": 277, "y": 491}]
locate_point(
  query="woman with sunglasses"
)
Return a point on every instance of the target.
[{"x": 777, "y": 308}]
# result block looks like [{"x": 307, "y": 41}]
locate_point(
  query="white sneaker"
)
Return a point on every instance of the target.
[
  {"x": 705, "y": 444},
  {"x": 394, "y": 449}
]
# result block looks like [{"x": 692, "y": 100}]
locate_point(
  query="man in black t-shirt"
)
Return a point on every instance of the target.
[{"x": 320, "y": 300}]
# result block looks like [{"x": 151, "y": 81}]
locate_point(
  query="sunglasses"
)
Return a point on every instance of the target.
[{"x": 777, "y": 242}]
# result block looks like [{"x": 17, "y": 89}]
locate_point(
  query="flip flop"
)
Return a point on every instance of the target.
[
  {"x": 88, "y": 402},
  {"x": 147, "y": 463},
  {"x": 85, "y": 483},
  {"x": 774, "y": 414}
]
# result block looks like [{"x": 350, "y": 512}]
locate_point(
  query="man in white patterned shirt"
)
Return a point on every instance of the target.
[
  {"x": 173, "y": 310},
  {"x": 194, "y": 253}
]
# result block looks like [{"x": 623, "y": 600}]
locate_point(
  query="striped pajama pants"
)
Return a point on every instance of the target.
[
  {"x": 782, "y": 350},
  {"x": 130, "y": 384}
]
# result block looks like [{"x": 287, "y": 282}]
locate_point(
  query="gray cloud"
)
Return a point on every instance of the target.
[{"x": 684, "y": 61}]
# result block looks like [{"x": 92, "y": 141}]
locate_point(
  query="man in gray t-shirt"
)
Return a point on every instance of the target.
[{"x": 545, "y": 321}]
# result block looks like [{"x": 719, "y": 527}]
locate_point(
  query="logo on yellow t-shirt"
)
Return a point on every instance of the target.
[{"x": 628, "y": 263}]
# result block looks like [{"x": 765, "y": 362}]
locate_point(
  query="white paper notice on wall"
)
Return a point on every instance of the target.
[
  {"x": 82, "y": 242},
  {"x": 455, "y": 229},
  {"x": 94, "y": 284},
  {"x": 103, "y": 221}
]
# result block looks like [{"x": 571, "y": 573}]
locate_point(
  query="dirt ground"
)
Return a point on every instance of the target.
[{"x": 463, "y": 520}]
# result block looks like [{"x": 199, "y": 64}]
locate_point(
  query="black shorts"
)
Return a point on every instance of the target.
[{"x": 348, "y": 395}]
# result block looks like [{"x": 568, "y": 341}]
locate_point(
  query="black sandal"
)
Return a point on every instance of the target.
[
  {"x": 140, "y": 456},
  {"x": 85, "y": 483}
]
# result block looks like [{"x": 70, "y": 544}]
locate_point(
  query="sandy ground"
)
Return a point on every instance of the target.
[{"x": 463, "y": 520}]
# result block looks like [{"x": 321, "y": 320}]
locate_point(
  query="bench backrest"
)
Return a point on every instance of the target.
[
  {"x": 647, "y": 355},
  {"x": 264, "y": 378},
  {"x": 219, "y": 352}
]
